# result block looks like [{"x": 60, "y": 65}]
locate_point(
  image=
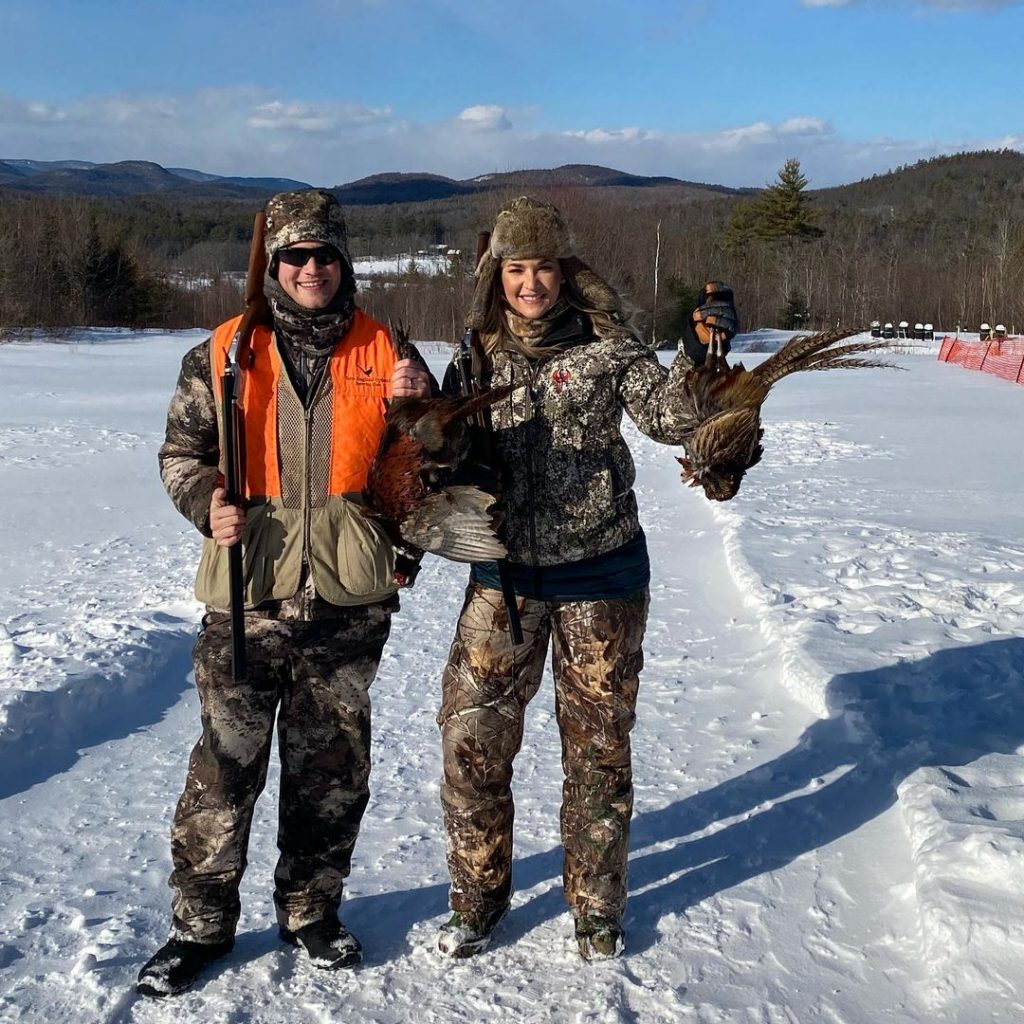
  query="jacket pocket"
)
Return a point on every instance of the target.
[
  {"x": 353, "y": 562},
  {"x": 270, "y": 561}
]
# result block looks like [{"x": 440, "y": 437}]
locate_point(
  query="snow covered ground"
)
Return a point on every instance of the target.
[
  {"x": 429, "y": 264},
  {"x": 829, "y": 753}
]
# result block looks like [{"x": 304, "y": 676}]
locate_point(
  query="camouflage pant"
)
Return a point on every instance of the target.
[
  {"x": 596, "y": 660},
  {"x": 315, "y": 678}
]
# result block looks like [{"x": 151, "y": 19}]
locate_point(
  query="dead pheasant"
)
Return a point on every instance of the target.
[
  {"x": 727, "y": 401},
  {"x": 424, "y": 440}
]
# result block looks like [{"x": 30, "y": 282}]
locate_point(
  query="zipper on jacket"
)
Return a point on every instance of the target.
[
  {"x": 307, "y": 490},
  {"x": 532, "y": 373}
]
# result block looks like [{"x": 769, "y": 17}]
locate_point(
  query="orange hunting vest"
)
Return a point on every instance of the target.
[
  {"x": 349, "y": 557},
  {"x": 360, "y": 369}
]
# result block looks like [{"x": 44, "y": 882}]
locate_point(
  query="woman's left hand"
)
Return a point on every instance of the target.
[{"x": 409, "y": 379}]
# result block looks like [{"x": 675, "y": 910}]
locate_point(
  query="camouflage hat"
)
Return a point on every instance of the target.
[
  {"x": 309, "y": 216},
  {"x": 529, "y": 228}
]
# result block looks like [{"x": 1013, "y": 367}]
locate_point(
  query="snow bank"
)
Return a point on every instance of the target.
[
  {"x": 874, "y": 532},
  {"x": 966, "y": 826},
  {"x": 90, "y": 639},
  {"x": 879, "y": 541}
]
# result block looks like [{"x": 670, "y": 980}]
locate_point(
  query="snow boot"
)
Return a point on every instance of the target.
[
  {"x": 328, "y": 943},
  {"x": 464, "y": 935},
  {"x": 174, "y": 967},
  {"x": 599, "y": 938}
]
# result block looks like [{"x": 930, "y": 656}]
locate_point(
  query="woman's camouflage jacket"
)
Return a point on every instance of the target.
[{"x": 566, "y": 471}]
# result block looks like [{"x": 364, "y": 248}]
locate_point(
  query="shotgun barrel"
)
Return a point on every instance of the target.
[{"x": 239, "y": 359}]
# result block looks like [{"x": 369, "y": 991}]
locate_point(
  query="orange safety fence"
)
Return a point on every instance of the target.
[{"x": 1003, "y": 358}]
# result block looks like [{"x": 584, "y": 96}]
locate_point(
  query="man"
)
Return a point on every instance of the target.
[{"x": 321, "y": 585}]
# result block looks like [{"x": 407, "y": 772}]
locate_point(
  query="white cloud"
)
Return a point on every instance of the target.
[
  {"x": 485, "y": 118},
  {"x": 805, "y": 126},
  {"x": 242, "y": 130},
  {"x": 764, "y": 133},
  {"x": 605, "y": 136},
  {"x": 277, "y": 116}
]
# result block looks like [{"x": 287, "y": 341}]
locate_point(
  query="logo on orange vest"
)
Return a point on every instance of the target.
[
  {"x": 366, "y": 377},
  {"x": 561, "y": 378}
]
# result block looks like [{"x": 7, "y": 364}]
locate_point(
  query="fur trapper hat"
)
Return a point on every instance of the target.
[
  {"x": 312, "y": 215},
  {"x": 529, "y": 228}
]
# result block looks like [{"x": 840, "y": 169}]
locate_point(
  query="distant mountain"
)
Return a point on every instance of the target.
[
  {"x": 38, "y": 166},
  {"x": 966, "y": 181},
  {"x": 271, "y": 185},
  {"x": 143, "y": 177},
  {"x": 401, "y": 188},
  {"x": 587, "y": 175},
  {"x": 133, "y": 177},
  {"x": 384, "y": 189},
  {"x": 10, "y": 172},
  {"x": 129, "y": 177}
]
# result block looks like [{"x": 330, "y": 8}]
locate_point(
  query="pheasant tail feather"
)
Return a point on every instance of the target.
[{"x": 816, "y": 352}]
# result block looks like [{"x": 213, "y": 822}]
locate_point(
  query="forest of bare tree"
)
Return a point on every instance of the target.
[{"x": 942, "y": 241}]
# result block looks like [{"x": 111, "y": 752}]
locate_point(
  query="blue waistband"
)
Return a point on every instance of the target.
[{"x": 615, "y": 574}]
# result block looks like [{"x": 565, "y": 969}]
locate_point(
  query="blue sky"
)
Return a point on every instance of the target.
[{"x": 328, "y": 91}]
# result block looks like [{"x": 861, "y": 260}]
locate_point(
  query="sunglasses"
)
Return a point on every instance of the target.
[{"x": 323, "y": 255}]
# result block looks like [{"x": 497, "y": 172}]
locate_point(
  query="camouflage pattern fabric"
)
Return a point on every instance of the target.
[
  {"x": 310, "y": 215},
  {"x": 567, "y": 471},
  {"x": 190, "y": 453},
  {"x": 315, "y": 678},
  {"x": 596, "y": 660}
]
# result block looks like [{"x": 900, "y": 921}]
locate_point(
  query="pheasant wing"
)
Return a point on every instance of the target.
[{"x": 458, "y": 522}]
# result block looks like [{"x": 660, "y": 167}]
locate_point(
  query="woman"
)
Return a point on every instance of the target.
[{"x": 579, "y": 563}]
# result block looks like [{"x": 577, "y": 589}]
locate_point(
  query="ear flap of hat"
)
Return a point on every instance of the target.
[
  {"x": 487, "y": 273},
  {"x": 593, "y": 290}
]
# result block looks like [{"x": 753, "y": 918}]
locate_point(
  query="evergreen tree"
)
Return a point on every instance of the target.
[
  {"x": 741, "y": 231},
  {"x": 781, "y": 213},
  {"x": 114, "y": 289},
  {"x": 683, "y": 299},
  {"x": 785, "y": 212},
  {"x": 793, "y": 316}
]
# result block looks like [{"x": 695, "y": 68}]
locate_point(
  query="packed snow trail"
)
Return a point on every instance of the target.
[{"x": 784, "y": 867}]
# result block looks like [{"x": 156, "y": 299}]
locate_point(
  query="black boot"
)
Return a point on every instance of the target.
[
  {"x": 328, "y": 943},
  {"x": 176, "y": 965}
]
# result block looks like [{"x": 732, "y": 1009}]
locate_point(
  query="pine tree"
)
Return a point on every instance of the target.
[
  {"x": 785, "y": 213},
  {"x": 683, "y": 299},
  {"x": 114, "y": 289},
  {"x": 782, "y": 213},
  {"x": 793, "y": 314}
]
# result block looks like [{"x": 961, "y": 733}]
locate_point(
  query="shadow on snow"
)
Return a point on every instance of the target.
[
  {"x": 53, "y": 726},
  {"x": 948, "y": 708}
]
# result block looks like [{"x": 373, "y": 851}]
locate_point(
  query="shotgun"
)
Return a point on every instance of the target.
[
  {"x": 472, "y": 346},
  {"x": 239, "y": 359}
]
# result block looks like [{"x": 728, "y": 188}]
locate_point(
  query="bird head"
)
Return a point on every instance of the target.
[{"x": 721, "y": 450}]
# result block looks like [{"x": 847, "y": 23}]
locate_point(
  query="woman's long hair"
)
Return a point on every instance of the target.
[{"x": 497, "y": 334}]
